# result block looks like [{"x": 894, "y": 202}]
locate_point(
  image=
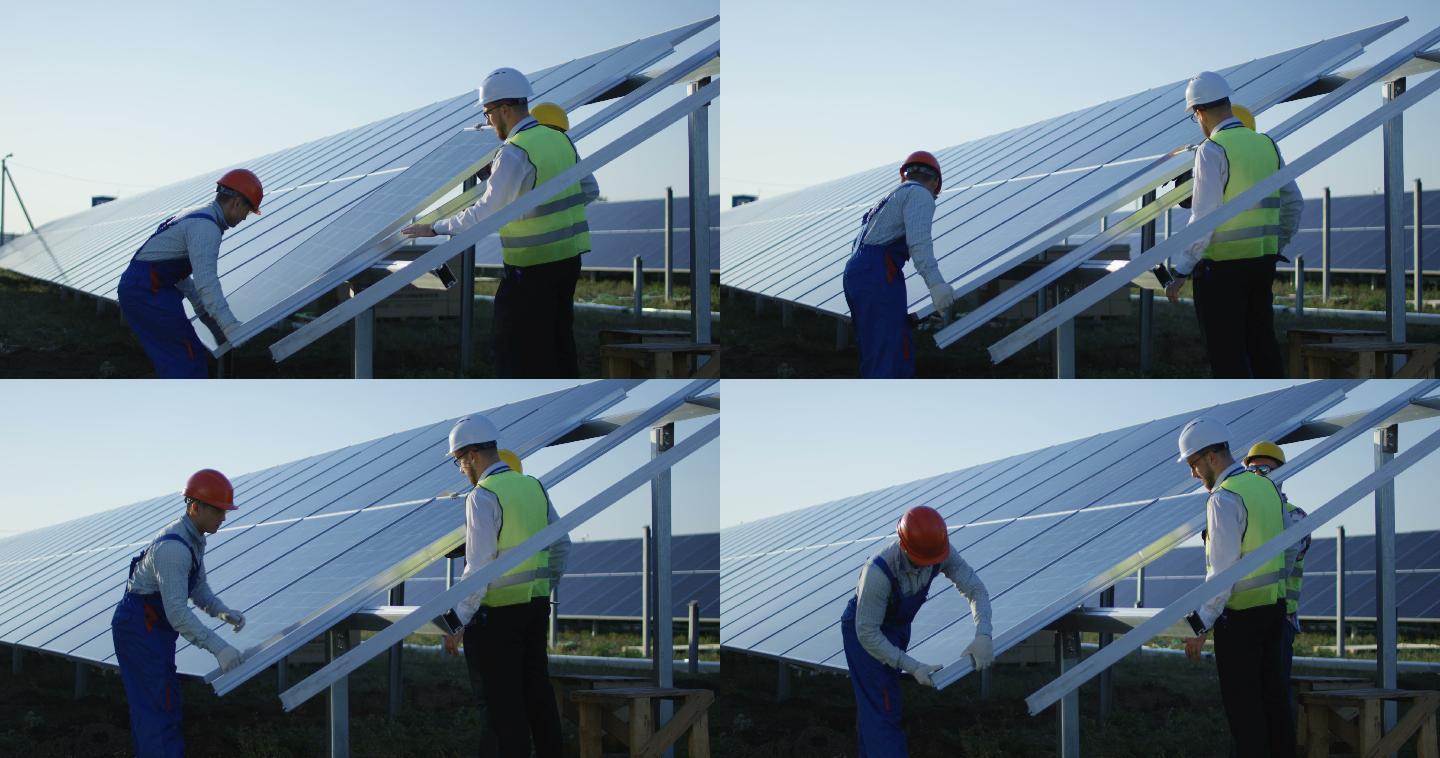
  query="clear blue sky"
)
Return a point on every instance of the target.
[
  {"x": 74, "y": 448},
  {"x": 793, "y": 444},
  {"x": 114, "y": 98},
  {"x": 843, "y": 87}
]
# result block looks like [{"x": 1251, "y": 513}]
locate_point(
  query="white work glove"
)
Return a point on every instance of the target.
[
  {"x": 944, "y": 297},
  {"x": 233, "y": 618},
  {"x": 228, "y": 657},
  {"x": 229, "y": 328},
  {"x": 923, "y": 673},
  {"x": 982, "y": 651}
]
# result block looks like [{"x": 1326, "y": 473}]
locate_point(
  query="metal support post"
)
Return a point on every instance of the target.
[
  {"x": 782, "y": 682},
  {"x": 1067, "y": 652},
  {"x": 842, "y": 334},
  {"x": 985, "y": 684},
  {"x": 1387, "y": 443},
  {"x": 692, "y": 652},
  {"x": 449, "y": 572},
  {"x": 397, "y": 597},
  {"x": 82, "y": 679},
  {"x": 4, "y": 175},
  {"x": 1325, "y": 246},
  {"x": 338, "y": 698},
  {"x": 759, "y": 304},
  {"x": 787, "y": 316},
  {"x": 365, "y": 345},
  {"x": 669, "y": 243},
  {"x": 1064, "y": 344},
  {"x": 1394, "y": 157},
  {"x": 1107, "y": 680},
  {"x": 1147, "y": 297},
  {"x": 1419, "y": 259},
  {"x": 646, "y": 587},
  {"x": 638, "y": 278},
  {"x": 1140, "y": 587},
  {"x": 700, "y": 252},
  {"x": 467, "y": 301},
  {"x": 17, "y": 660},
  {"x": 282, "y": 674},
  {"x": 1299, "y": 286},
  {"x": 662, "y": 439},
  {"x": 1339, "y": 592}
]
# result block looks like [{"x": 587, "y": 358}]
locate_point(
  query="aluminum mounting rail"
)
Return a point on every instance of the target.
[
  {"x": 1073, "y": 306},
  {"x": 1111, "y": 654},
  {"x": 367, "y": 298},
  {"x": 395, "y": 633}
]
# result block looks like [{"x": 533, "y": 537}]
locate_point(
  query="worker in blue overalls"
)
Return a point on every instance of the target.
[
  {"x": 154, "y": 612},
  {"x": 894, "y": 230},
  {"x": 876, "y": 625},
  {"x": 182, "y": 258}
]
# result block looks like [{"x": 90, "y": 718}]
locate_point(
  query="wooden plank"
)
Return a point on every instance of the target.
[
  {"x": 1372, "y": 722},
  {"x": 642, "y": 725},
  {"x": 700, "y": 736},
  {"x": 1421, "y": 710},
  {"x": 1428, "y": 746},
  {"x": 1318, "y": 715},
  {"x": 694, "y": 705},
  {"x": 590, "y": 732}
]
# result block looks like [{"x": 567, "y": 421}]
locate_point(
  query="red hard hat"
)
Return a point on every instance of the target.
[
  {"x": 924, "y": 158},
  {"x": 211, "y": 488},
  {"x": 923, "y": 536},
  {"x": 246, "y": 183}
]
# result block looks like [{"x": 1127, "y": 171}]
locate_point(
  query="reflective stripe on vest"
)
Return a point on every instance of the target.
[
  {"x": 556, "y": 230},
  {"x": 1264, "y": 519},
  {"x": 1254, "y": 233},
  {"x": 524, "y": 511}
]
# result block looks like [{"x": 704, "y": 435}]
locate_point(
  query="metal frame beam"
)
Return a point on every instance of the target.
[
  {"x": 377, "y": 644},
  {"x": 1087, "y": 297},
  {"x": 1165, "y": 617},
  {"x": 432, "y": 258},
  {"x": 1392, "y": 137},
  {"x": 700, "y": 252}
]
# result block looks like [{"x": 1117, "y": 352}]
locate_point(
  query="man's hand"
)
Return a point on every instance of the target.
[
  {"x": 214, "y": 327},
  {"x": 1194, "y": 646},
  {"x": 943, "y": 297},
  {"x": 452, "y": 642},
  {"x": 418, "y": 230},
  {"x": 233, "y": 618},
  {"x": 1172, "y": 290},
  {"x": 228, "y": 657},
  {"x": 982, "y": 650},
  {"x": 923, "y": 674}
]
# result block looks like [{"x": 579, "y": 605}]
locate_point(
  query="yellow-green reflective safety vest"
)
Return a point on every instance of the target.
[
  {"x": 524, "y": 511},
  {"x": 1294, "y": 568},
  {"x": 556, "y": 230},
  {"x": 1264, "y": 518},
  {"x": 1255, "y": 233}
]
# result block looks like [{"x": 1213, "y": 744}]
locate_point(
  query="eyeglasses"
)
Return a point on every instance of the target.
[
  {"x": 459, "y": 459},
  {"x": 490, "y": 112}
]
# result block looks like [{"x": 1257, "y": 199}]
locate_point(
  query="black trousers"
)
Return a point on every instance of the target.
[
  {"x": 505, "y": 653},
  {"x": 1250, "y": 658},
  {"x": 1233, "y": 300},
  {"x": 534, "y": 328}
]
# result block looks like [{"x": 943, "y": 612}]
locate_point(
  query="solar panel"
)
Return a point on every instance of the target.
[
  {"x": 324, "y": 199},
  {"x": 1417, "y": 581},
  {"x": 1044, "y": 529},
  {"x": 307, "y": 534},
  {"x": 602, "y": 579},
  {"x": 1001, "y": 191},
  {"x": 621, "y": 230},
  {"x": 1357, "y": 233}
]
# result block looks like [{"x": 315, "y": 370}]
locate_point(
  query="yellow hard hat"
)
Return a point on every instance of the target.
[
  {"x": 551, "y": 115},
  {"x": 509, "y": 458},
  {"x": 1265, "y": 449},
  {"x": 1246, "y": 117}
]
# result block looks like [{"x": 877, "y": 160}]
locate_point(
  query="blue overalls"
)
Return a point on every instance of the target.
[
  {"x": 875, "y": 291},
  {"x": 153, "y": 308},
  {"x": 145, "y": 649},
  {"x": 877, "y": 685}
]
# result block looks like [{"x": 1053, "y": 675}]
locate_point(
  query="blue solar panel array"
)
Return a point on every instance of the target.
[
  {"x": 602, "y": 579},
  {"x": 1417, "y": 580}
]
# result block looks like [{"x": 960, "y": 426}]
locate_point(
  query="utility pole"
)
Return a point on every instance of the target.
[{"x": 4, "y": 174}]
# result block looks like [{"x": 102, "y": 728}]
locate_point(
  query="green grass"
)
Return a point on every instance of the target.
[
  {"x": 1351, "y": 292},
  {"x": 1163, "y": 707},
  {"x": 46, "y": 332},
  {"x": 40, "y": 719},
  {"x": 758, "y": 345}
]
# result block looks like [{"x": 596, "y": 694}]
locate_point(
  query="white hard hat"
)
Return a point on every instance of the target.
[
  {"x": 504, "y": 84},
  {"x": 1205, "y": 87},
  {"x": 1200, "y": 434},
  {"x": 472, "y": 430}
]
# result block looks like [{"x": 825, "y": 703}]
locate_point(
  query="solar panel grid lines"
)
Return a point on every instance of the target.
[
  {"x": 312, "y": 527},
  {"x": 987, "y": 223},
  {"x": 328, "y": 182},
  {"x": 1032, "y": 505}
]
